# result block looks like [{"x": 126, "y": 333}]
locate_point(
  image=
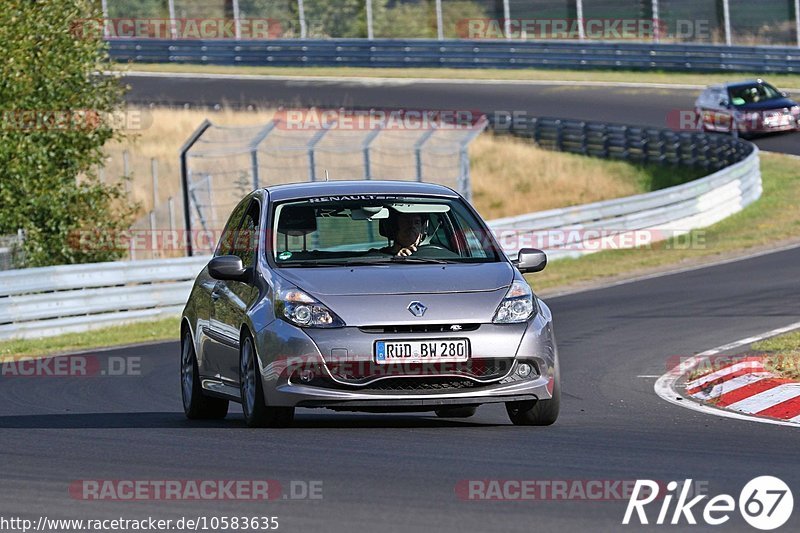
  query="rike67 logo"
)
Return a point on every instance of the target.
[{"x": 765, "y": 503}]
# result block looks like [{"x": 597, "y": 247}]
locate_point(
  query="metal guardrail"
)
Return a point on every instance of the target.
[
  {"x": 40, "y": 302},
  {"x": 671, "y": 212},
  {"x": 460, "y": 54}
]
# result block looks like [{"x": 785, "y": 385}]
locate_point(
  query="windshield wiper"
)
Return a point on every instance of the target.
[
  {"x": 307, "y": 264},
  {"x": 410, "y": 259}
]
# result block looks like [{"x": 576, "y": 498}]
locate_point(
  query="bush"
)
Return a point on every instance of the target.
[{"x": 57, "y": 112}]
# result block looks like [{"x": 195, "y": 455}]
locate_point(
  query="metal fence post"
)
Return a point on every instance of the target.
[
  {"x": 173, "y": 28},
  {"x": 312, "y": 171},
  {"x": 726, "y": 13},
  {"x": 301, "y": 15},
  {"x": 797, "y": 20},
  {"x": 439, "y": 23},
  {"x": 506, "y": 19},
  {"x": 187, "y": 217},
  {"x": 154, "y": 175},
  {"x": 370, "y": 34},
  {"x": 237, "y": 23},
  {"x": 579, "y": 9},
  {"x": 656, "y": 22},
  {"x": 153, "y": 240},
  {"x": 171, "y": 213},
  {"x": 365, "y": 147},
  {"x": 104, "y": 8},
  {"x": 257, "y": 140},
  {"x": 418, "y": 150}
]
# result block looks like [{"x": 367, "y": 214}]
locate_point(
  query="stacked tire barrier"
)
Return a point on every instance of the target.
[{"x": 733, "y": 183}]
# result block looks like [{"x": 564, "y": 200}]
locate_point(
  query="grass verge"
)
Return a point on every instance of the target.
[
  {"x": 782, "y": 354},
  {"x": 781, "y": 80},
  {"x": 136, "y": 332}
]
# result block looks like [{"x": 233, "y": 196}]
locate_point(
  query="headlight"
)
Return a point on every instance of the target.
[
  {"x": 302, "y": 310},
  {"x": 795, "y": 110},
  {"x": 517, "y": 305}
]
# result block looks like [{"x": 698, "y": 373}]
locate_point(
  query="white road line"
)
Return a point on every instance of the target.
[
  {"x": 665, "y": 385},
  {"x": 768, "y": 398},
  {"x": 376, "y": 80}
]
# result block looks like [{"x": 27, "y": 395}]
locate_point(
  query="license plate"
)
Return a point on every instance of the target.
[
  {"x": 417, "y": 351},
  {"x": 777, "y": 120}
]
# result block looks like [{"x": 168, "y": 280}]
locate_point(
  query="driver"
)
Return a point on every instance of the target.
[{"x": 407, "y": 236}]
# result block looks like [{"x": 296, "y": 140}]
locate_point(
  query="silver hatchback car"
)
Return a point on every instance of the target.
[{"x": 372, "y": 296}]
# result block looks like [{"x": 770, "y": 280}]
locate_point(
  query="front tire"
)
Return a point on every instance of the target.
[
  {"x": 537, "y": 412},
  {"x": 196, "y": 406},
  {"x": 256, "y": 412}
]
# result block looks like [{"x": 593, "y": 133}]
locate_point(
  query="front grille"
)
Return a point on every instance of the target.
[
  {"x": 364, "y": 371},
  {"x": 412, "y": 377},
  {"x": 420, "y": 328}
]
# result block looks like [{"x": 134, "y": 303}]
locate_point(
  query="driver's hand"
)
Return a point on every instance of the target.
[{"x": 408, "y": 250}]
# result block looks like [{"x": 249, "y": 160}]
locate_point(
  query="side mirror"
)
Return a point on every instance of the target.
[
  {"x": 530, "y": 260},
  {"x": 784, "y": 94},
  {"x": 723, "y": 103},
  {"x": 228, "y": 267}
]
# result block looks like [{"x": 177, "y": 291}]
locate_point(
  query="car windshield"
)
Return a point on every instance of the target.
[
  {"x": 752, "y": 94},
  {"x": 368, "y": 229}
]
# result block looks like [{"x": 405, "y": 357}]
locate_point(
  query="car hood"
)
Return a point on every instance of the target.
[
  {"x": 400, "y": 279},
  {"x": 778, "y": 103}
]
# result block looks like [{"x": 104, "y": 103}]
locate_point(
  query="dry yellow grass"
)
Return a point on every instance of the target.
[
  {"x": 510, "y": 176},
  {"x": 162, "y": 133}
]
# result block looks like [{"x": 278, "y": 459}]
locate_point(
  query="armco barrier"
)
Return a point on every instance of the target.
[
  {"x": 657, "y": 215},
  {"x": 40, "y": 302},
  {"x": 460, "y": 54},
  {"x": 573, "y": 231}
]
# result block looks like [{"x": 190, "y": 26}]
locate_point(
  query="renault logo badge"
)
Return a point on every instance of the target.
[{"x": 417, "y": 308}]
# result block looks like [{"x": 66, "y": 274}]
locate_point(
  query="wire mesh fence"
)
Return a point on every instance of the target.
[
  {"x": 11, "y": 253},
  {"x": 224, "y": 163},
  {"x": 688, "y": 21}
]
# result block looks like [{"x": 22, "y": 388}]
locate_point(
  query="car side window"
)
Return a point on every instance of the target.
[
  {"x": 225, "y": 245},
  {"x": 246, "y": 241}
]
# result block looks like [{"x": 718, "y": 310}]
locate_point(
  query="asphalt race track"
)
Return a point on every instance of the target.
[
  {"x": 647, "y": 107},
  {"x": 399, "y": 472}
]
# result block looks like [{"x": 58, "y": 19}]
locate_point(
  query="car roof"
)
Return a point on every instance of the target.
[
  {"x": 312, "y": 189},
  {"x": 743, "y": 83}
]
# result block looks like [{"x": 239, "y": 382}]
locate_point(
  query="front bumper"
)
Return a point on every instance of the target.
[{"x": 285, "y": 351}]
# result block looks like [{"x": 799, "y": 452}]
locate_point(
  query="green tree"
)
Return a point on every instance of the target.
[{"x": 56, "y": 113}]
